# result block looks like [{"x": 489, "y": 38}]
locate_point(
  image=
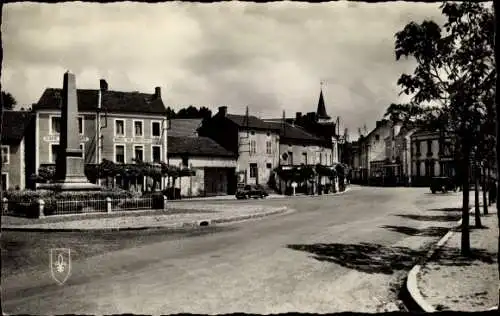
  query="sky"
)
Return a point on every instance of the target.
[{"x": 269, "y": 56}]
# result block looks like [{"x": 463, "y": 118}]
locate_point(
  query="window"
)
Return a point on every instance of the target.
[
  {"x": 156, "y": 153},
  {"x": 252, "y": 133},
  {"x": 120, "y": 153},
  {"x": 119, "y": 128},
  {"x": 5, "y": 154},
  {"x": 80, "y": 125},
  {"x": 427, "y": 168},
  {"x": 155, "y": 129},
  {"x": 269, "y": 165},
  {"x": 253, "y": 170},
  {"x": 269, "y": 147},
  {"x": 377, "y": 137},
  {"x": 54, "y": 152},
  {"x": 82, "y": 148},
  {"x": 304, "y": 158},
  {"x": 185, "y": 161},
  {"x": 429, "y": 146},
  {"x": 268, "y": 134},
  {"x": 138, "y": 129},
  {"x": 138, "y": 153},
  {"x": 5, "y": 181},
  {"x": 290, "y": 157},
  {"x": 55, "y": 124},
  {"x": 320, "y": 158},
  {"x": 417, "y": 145},
  {"x": 253, "y": 147}
]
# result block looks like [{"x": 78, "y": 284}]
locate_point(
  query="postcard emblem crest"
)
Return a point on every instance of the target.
[{"x": 60, "y": 264}]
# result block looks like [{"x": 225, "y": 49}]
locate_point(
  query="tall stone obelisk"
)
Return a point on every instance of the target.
[{"x": 70, "y": 166}]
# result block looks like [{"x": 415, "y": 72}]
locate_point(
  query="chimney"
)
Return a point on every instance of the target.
[
  {"x": 103, "y": 85},
  {"x": 157, "y": 93},
  {"x": 222, "y": 111},
  {"x": 298, "y": 115}
]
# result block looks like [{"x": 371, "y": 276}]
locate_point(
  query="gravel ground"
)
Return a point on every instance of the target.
[{"x": 449, "y": 282}]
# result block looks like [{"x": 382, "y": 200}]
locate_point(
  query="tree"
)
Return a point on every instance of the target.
[
  {"x": 190, "y": 112},
  {"x": 170, "y": 113},
  {"x": 497, "y": 84},
  {"x": 8, "y": 100},
  {"x": 452, "y": 78}
]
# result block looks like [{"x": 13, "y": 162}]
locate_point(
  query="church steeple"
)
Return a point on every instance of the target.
[{"x": 321, "y": 111}]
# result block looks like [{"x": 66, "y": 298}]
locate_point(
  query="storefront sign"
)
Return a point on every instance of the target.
[{"x": 56, "y": 138}]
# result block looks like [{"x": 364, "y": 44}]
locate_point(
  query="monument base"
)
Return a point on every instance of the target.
[{"x": 65, "y": 186}]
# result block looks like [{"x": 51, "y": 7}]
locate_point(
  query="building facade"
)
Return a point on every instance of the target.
[
  {"x": 16, "y": 148},
  {"x": 213, "y": 167},
  {"x": 255, "y": 142},
  {"x": 430, "y": 158},
  {"x": 117, "y": 126}
]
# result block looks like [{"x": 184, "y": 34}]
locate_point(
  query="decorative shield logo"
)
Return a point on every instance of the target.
[{"x": 60, "y": 264}]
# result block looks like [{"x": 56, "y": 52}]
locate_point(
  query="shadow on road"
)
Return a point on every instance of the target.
[
  {"x": 431, "y": 218},
  {"x": 25, "y": 251},
  {"x": 452, "y": 257},
  {"x": 446, "y": 209},
  {"x": 364, "y": 257},
  {"x": 424, "y": 232}
]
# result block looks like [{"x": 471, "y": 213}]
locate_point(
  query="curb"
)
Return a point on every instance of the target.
[
  {"x": 180, "y": 225},
  {"x": 411, "y": 281},
  {"x": 275, "y": 197}
]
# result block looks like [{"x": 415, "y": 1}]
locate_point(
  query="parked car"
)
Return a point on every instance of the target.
[
  {"x": 443, "y": 184},
  {"x": 251, "y": 191}
]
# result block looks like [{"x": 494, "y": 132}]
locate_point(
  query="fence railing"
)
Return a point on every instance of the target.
[
  {"x": 129, "y": 204},
  {"x": 40, "y": 208},
  {"x": 79, "y": 207}
]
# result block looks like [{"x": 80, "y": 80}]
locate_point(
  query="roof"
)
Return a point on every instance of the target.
[
  {"x": 288, "y": 131},
  {"x": 184, "y": 127},
  {"x": 321, "y": 111},
  {"x": 250, "y": 122},
  {"x": 196, "y": 146},
  {"x": 112, "y": 101},
  {"x": 15, "y": 124}
]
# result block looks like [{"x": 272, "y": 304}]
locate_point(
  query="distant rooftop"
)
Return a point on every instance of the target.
[
  {"x": 112, "y": 101},
  {"x": 184, "y": 127}
]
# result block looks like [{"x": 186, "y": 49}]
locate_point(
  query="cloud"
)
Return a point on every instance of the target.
[{"x": 270, "y": 57}]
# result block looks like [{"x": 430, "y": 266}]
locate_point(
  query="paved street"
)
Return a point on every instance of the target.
[{"x": 334, "y": 254}]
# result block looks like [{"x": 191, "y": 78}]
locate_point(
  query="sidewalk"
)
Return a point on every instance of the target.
[
  {"x": 173, "y": 217},
  {"x": 449, "y": 282}
]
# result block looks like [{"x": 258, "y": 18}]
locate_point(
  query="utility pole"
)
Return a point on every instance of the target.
[{"x": 1, "y": 150}]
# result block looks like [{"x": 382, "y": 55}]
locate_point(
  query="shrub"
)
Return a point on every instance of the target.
[{"x": 157, "y": 201}]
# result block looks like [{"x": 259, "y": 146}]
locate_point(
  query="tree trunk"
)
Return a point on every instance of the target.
[
  {"x": 485, "y": 192},
  {"x": 465, "y": 238},
  {"x": 495, "y": 10},
  {"x": 477, "y": 209}
]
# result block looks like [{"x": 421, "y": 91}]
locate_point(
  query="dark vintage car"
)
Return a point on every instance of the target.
[
  {"x": 443, "y": 184},
  {"x": 251, "y": 191}
]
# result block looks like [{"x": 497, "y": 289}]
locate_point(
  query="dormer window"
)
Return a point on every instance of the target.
[{"x": 377, "y": 137}]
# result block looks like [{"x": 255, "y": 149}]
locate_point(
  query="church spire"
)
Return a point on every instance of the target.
[{"x": 321, "y": 111}]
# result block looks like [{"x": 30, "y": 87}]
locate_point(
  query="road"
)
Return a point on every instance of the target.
[{"x": 335, "y": 253}]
